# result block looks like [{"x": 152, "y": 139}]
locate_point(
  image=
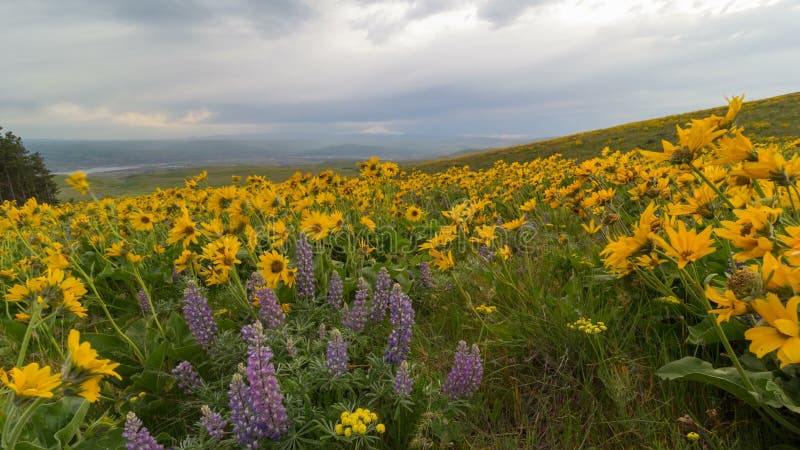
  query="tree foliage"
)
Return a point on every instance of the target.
[{"x": 23, "y": 175}]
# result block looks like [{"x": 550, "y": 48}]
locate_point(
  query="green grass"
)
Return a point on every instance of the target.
[
  {"x": 547, "y": 386},
  {"x": 772, "y": 117},
  {"x": 119, "y": 184}
]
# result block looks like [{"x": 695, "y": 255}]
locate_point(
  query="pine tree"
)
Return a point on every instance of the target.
[{"x": 23, "y": 175}]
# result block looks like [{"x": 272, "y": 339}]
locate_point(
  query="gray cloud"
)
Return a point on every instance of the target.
[{"x": 150, "y": 69}]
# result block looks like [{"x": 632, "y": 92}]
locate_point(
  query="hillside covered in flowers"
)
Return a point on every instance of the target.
[{"x": 637, "y": 299}]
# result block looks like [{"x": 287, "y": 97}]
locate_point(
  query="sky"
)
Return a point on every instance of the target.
[{"x": 110, "y": 69}]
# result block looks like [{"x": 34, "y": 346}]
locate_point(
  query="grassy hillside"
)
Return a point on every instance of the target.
[
  {"x": 772, "y": 117},
  {"x": 117, "y": 184}
]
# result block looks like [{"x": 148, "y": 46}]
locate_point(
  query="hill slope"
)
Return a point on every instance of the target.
[{"x": 775, "y": 116}]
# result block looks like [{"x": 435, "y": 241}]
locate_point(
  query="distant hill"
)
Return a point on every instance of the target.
[
  {"x": 776, "y": 116},
  {"x": 95, "y": 156}
]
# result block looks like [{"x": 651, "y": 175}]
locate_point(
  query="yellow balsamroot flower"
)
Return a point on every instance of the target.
[
  {"x": 441, "y": 260},
  {"x": 783, "y": 332},
  {"x": 183, "y": 261},
  {"x": 528, "y": 206},
  {"x": 485, "y": 235},
  {"x": 514, "y": 224},
  {"x": 771, "y": 165},
  {"x": 274, "y": 267},
  {"x": 184, "y": 230},
  {"x": 83, "y": 357},
  {"x": 31, "y": 381},
  {"x": 776, "y": 275},
  {"x": 413, "y": 214},
  {"x": 142, "y": 221},
  {"x": 83, "y": 369},
  {"x": 316, "y": 225},
  {"x": 367, "y": 222},
  {"x": 591, "y": 227},
  {"x": 792, "y": 240},
  {"x": 686, "y": 245},
  {"x": 504, "y": 252},
  {"x": 729, "y": 305},
  {"x": 77, "y": 180}
]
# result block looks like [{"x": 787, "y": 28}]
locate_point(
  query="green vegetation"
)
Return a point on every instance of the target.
[
  {"x": 774, "y": 117},
  {"x": 22, "y": 174}
]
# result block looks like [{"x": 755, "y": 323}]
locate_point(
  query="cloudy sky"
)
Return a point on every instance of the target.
[{"x": 175, "y": 68}]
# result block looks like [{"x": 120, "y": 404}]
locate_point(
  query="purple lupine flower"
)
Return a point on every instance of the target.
[
  {"x": 186, "y": 377},
  {"x": 305, "y": 269},
  {"x": 401, "y": 314},
  {"x": 402, "y": 380},
  {"x": 269, "y": 311},
  {"x": 336, "y": 354},
  {"x": 467, "y": 372},
  {"x": 335, "y": 288},
  {"x": 213, "y": 423},
  {"x": 255, "y": 281},
  {"x": 136, "y": 435},
  {"x": 380, "y": 300},
  {"x": 291, "y": 348},
  {"x": 242, "y": 417},
  {"x": 425, "y": 275},
  {"x": 249, "y": 332},
  {"x": 356, "y": 317},
  {"x": 265, "y": 397},
  {"x": 198, "y": 315},
  {"x": 144, "y": 302},
  {"x": 486, "y": 253}
]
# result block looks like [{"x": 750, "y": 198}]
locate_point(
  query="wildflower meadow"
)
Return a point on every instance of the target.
[{"x": 637, "y": 299}]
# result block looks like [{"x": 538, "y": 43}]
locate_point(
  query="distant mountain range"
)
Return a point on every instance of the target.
[{"x": 104, "y": 155}]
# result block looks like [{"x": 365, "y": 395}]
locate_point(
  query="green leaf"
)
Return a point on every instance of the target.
[
  {"x": 703, "y": 333},
  {"x": 65, "y": 435},
  {"x": 727, "y": 378},
  {"x": 767, "y": 389},
  {"x": 14, "y": 329},
  {"x": 52, "y": 423}
]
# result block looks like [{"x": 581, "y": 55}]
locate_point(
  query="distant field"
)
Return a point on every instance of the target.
[
  {"x": 122, "y": 183},
  {"x": 772, "y": 117}
]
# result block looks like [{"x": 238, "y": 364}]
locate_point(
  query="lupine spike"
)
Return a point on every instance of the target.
[
  {"x": 305, "y": 269},
  {"x": 356, "y": 317},
  {"x": 137, "y": 436},
  {"x": 467, "y": 372},
  {"x": 401, "y": 314},
  {"x": 187, "y": 378},
  {"x": 335, "y": 288},
  {"x": 380, "y": 300},
  {"x": 403, "y": 384},
  {"x": 213, "y": 423},
  {"x": 198, "y": 316},
  {"x": 336, "y": 354}
]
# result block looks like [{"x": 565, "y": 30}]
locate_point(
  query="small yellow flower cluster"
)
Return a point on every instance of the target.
[
  {"x": 358, "y": 422},
  {"x": 587, "y": 326},
  {"x": 485, "y": 309}
]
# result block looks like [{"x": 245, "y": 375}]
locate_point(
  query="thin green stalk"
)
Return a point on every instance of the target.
[
  {"x": 146, "y": 291},
  {"x": 713, "y": 187},
  {"x": 13, "y": 436},
  {"x": 34, "y": 322},
  {"x": 110, "y": 318}
]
